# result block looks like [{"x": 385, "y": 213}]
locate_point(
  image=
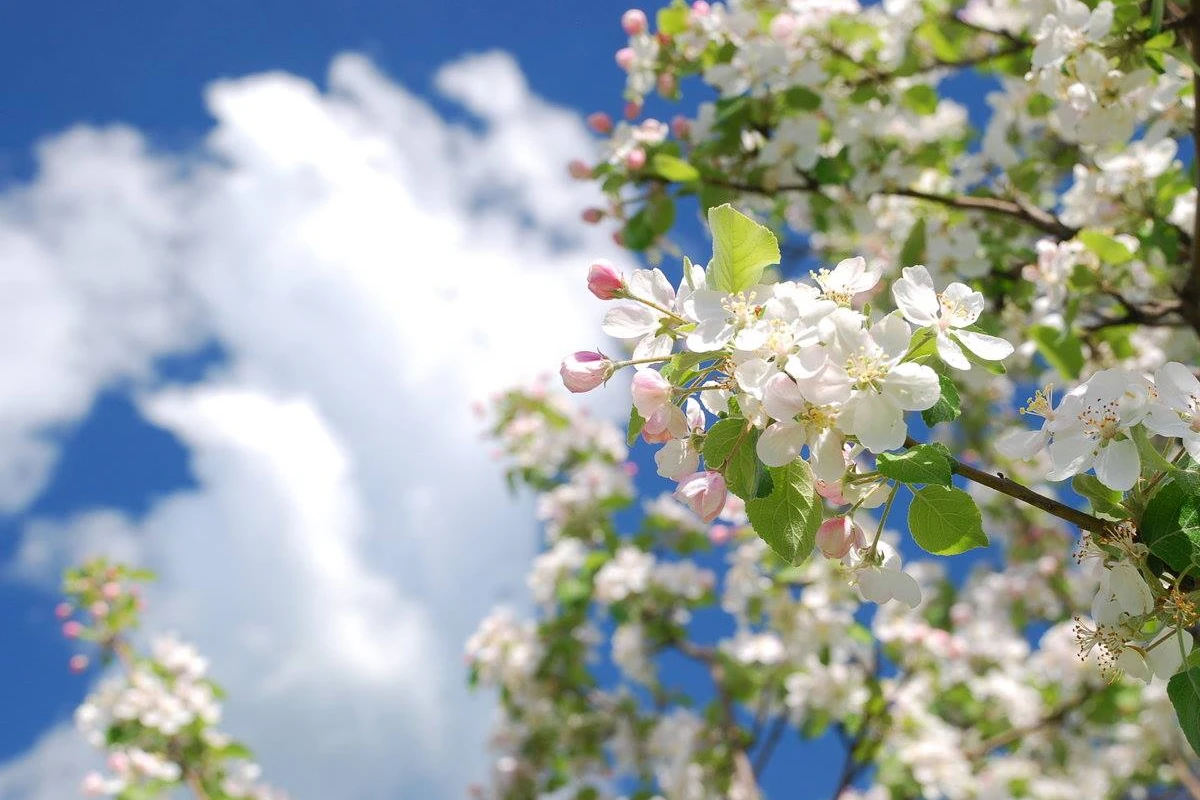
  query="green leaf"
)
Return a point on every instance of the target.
[
  {"x": 921, "y": 464},
  {"x": 948, "y": 406},
  {"x": 742, "y": 249},
  {"x": 635, "y": 426},
  {"x": 1184, "y": 691},
  {"x": 673, "y": 19},
  {"x": 1170, "y": 525},
  {"x": 803, "y": 99},
  {"x": 945, "y": 521},
  {"x": 913, "y": 251},
  {"x": 1104, "y": 500},
  {"x": 1061, "y": 349},
  {"x": 921, "y": 99},
  {"x": 730, "y": 446},
  {"x": 673, "y": 168},
  {"x": 1106, "y": 247},
  {"x": 787, "y": 519}
]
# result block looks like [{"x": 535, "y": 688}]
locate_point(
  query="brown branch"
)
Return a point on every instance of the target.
[
  {"x": 1187, "y": 778},
  {"x": 1026, "y": 495},
  {"x": 1013, "y": 735}
]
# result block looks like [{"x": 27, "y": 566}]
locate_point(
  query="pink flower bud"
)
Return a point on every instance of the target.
[
  {"x": 629, "y": 468},
  {"x": 625, "y": 58},
  {"x": 700, "y": 9},
  {"x": 632, "y": 110},
  {"x": 634, "y": 21},
  {"x": 78, "y": 663},
  {"x": 720, "y": 534},
  {"x": 600, "y": 122},
  {"x": 72, "y": 629},
  {"x": 604, "y": 280},
  {"x": 651, "y": 391},
  {"x": 579, "y": 170},
  {"x": 782, "y": 27},
  {"x": 63, "y": 610},
  {"x": 635, "y": 159},
  {"x": 585, "y": 370},
  {"x": 838, "y": 535},
  {"x": 681, "y": 127},
  {"x": 111, "y": 590},
  {"x": 592, "y": 215},
  {"x": 704, "y": 493},
  {"x": 118, "y": 762},
  {"x": 93, "y": 785},
  {"x": 99, "y": 609},
  {"x": 664, "y": 38},
  {"x": 831, "y": 492},
  {"x": 666, "y": 83}
]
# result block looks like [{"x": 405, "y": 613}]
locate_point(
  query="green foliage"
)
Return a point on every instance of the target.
[
  {"x": 673, "y": 168},
  {"x": 948, "y": 406},
  {"x": 945, "y": 521},
  {"x": 1184, "y": 691},
  {"x": 1170, "y": 525},
  {"x": 730, "y": 446},
  {"x": 1061, "y": 348},
  {"x": 788, "y": 517},
  {"x": 1105, "y": 502},
  {"x": 921, "y": 464},
  {"x": 1108, "y": 249},
  {"x": 636, "y": 423},
  {"x": 742, "y": 250}
]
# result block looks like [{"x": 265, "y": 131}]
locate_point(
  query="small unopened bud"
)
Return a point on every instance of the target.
[
  {"x": 666, "y": 83},
  {"x": 632, "y": 110},
  {"x": 592, "y": 215},
  {"x": 625, "y": 58},
  {"x": 72, "y": 629},
  {"x": 831, "y": 492},
  {"x": 99, "y": 609},
  {"x": 635, "y": 159},
  {"x": 700, "y": 8},
  {"x": 78, "y": 663},
  {"x": 600, "y": 122},
  {"x": 663, "y": 38},
  {"x": 838, "y": 535},
  {"x": 782, "y": 27},
  {"x": 585, "y": 370},
  {"x": 681, "y": 126},
  {"x": 93, "y": 785},
  {"x": 720, "y": 534},
  {"x": 604, "y": 280},
  {"x": 704, "y": 493},
  {"x": 63, "y": 610},
  {"x": 111, "y": 590},
  {"x": 634, "y": 21},
  {"x": 579, "y": 170}
]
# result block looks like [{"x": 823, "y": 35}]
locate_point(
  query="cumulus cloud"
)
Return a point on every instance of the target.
[{"x": 370, "y": 269}]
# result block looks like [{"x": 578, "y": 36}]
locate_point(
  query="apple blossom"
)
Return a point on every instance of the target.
[{"x": 585, "y": 370}]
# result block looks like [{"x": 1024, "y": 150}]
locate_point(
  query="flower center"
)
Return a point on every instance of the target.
[
  {"x": 742, "y": 309},
  {"x": 867, "y": 368},
  {"x": 1100, "y": 420}
]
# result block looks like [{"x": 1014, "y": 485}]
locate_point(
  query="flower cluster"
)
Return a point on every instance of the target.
[{"x": 157, "y": 716}]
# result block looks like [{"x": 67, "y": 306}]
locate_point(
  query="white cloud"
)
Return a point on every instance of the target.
[{"x": 371, "y": 269}]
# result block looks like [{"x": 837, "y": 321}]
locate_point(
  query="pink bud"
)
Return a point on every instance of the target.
[
  {"x": 604, "y": 280},
  {"x": 666, "y": 83},
  {"x": 651, "y": 391},
  {"x": 700, "y": 8},
  {"x": 782, "y": 27},
  {"x": 111, "y": 590},
  {"x": 632, "y": 110},
  {"x": 600, "y": 122},
  {"x": 831, "y": 492},
  {"x": 592, "y": 215},
  {"x": 78, "y": 663},
  {"x": 63, "y": 610},
  {"x": 579, "y": 170},
  {"x": 634, "y": 21},
  {"x": 99, "y": 609},
  {"x": 681, "y": 127},
  {"x": 704, "y": 493},
  {"x": 585, "y": 370},
  {"x": 72, "y": 629},
  {"x": 118, "y": 762},
  {"x": 837, "y": 535},
  {"x": 720, "y": 534},
  {"x": 635, "y": 159},
  {"x": 663, "y": 38},
  {"x": 625, "y": 58},
  {"x": 93, "y": 785}
]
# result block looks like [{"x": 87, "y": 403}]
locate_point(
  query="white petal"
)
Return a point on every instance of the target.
[
  {"x": 893, "y": 335},
  {"x": 912, "y": 387},
  {"x": 877, "y": 423},
  {"x": 780, "y": 444},
  {"x": 989, "y": 348},
  {"x": 949, "y": 351},
  {"x": 961, "y": 305},
  {"x": 1021, "y": 444},
  {"x": 652, "y": 284},
  {"x": 1118, "y": 465},
  {"x": 711, "y": 334},
  {"x": 1166, "y": 659},
  {"x": 782, "y": 398},
  {"x": 653, "y": 347},
  {"x": 629, "y": 321},
  {"x": 915, "y": 296},
  {"x": 1070, "y": 455}
]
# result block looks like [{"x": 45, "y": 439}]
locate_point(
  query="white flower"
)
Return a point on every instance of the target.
[
  {"x": 641, "y": 321},
  {"x": 882, "y": 579},
  {"x": 947, "y": 313},
  {"x": 799, "y": 424},
  {"x": 723, "y": 318},
  {"x": 1091, "y": 428},
  {"x": 850, "y": 277},
  {"x": 1122, "y": 591},
  {"x": 1175, "y": 409}
]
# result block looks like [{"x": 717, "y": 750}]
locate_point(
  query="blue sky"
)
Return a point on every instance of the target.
[{"x": 138, "y": 461}]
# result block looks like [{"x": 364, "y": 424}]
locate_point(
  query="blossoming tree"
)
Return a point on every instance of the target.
[{"x": 817, "y": 425}]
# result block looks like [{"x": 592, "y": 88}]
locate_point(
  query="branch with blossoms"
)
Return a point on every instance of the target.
[
  {"x": 943, "y": 700},
  {"x": 156, "y": 715}
]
